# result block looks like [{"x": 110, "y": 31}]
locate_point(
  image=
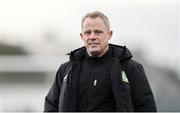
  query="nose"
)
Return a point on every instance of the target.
[{"x": 92, "y": 36}]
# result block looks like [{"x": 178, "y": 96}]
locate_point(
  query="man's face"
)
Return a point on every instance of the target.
[{"x": 95, "y": 36}]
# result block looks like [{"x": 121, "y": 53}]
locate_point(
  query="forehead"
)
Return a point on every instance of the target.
[{"x": 94, "y": 23}]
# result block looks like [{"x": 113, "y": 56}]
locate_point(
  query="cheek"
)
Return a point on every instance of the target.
[
  {"x": 104, "y": 41},
  {"x": 85, "y": 39}
]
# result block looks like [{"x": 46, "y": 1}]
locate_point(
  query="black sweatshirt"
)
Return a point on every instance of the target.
[{"x": 95, "y": 90}]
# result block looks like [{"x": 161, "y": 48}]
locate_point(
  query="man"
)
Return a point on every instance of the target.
[{"x": 100, "y": 76}]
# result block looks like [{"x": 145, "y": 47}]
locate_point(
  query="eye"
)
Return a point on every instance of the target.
[
  {"x": 98, "y": 31},
  {"x": 87, "y": 32}
]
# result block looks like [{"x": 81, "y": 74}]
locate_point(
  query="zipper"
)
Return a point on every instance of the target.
[{"x": 91, "y": 83}]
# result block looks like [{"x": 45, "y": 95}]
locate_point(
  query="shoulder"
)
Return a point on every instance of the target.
[
  {"x": 64, "y": 66},
  {"x": 60, "y": 73},
  {"x": 132, "y": 65},
  {"x": 63, "y": 69},
  {"x": 134, "y": 70}
]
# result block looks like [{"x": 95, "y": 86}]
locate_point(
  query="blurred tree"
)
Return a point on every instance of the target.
[{"x": 6, "y": 49}]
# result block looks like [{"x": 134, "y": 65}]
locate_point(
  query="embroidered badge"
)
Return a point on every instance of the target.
[{"x": 124, "y": 77}]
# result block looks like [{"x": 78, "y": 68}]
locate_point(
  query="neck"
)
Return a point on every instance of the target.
[{"x": 99, "y": 54}]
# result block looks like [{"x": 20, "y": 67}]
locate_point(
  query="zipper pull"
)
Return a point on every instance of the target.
[{"x": 95, "y": 82}]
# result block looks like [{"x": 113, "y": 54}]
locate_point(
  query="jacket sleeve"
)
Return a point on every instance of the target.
[
  {"x": 141, "y": 93},
  {"x": 52, "y": 99}
]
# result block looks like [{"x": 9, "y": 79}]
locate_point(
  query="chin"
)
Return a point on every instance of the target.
[
  {"x": 94, "y": 50},
  {"x": 94, "y": 53}
]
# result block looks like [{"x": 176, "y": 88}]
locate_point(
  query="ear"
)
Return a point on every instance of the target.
[
  {"x": 81, "y": 34},
  {"x": 110, "y": 34}
]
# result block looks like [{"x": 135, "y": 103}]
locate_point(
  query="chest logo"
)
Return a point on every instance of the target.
[{"x": 124, "y": 77}]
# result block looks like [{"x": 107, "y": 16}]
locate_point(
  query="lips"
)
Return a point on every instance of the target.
[{"x": 93, "y": 44}]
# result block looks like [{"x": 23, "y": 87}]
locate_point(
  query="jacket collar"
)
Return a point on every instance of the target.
[{"x": 120, "y": 52}]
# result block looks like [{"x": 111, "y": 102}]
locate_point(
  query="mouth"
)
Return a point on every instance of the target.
[{"x": 93, "y": 44}]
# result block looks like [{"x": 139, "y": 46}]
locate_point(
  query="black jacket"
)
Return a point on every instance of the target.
[{"x": 134, "y": 94}]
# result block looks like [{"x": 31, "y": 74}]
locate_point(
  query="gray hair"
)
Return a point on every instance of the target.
[{"x": 96, "y": 14}]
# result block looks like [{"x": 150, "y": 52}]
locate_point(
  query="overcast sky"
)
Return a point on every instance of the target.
[{"x": 148, "y": 24}]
